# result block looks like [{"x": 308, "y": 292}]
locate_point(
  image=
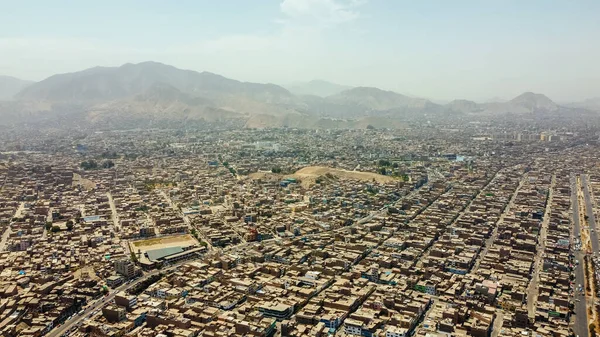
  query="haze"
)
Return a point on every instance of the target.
[{"x": 436, "y": 49}]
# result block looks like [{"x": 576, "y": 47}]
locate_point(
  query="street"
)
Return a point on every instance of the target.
[
  {"x": 98, "y": 304},
  {"x": 490, "y": 240},
  {"x": 187, "y": 221},
  {"x": 580, "y": 326},
  {"x": 532, "y": 288},
  {"x": 591, "y": 218}
]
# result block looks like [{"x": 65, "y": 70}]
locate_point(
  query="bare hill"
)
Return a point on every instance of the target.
[
  {"x": 110, "y": 83},
  {"x": 138, "y": 95},
  {"x": 317, "y": 88},
  {"x": 309, "y": 174},
  {"x": 10, "y": 86}
]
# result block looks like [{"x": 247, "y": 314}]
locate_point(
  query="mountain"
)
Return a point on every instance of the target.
[
  {"x": 496, "y": 99},
  {"x": 317, "y": 88},
  {"x": 156, "y": 91},
  {"x": 464, "y": 106},
  {"x": 110, "y": 83},
  {"x": 9, "y": 86},
  {"x": 590, "y": 104},
  {"x": 534, "y": 102},
  {"x": 154, "y": 94},
  {"x": 525, "y": 103},
  {"x": 377, "y": 99},
  {"x": 300, "y": 121},
  {"x": 368, "y": 101}
]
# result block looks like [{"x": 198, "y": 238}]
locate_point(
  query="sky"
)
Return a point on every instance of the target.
[{"x": 441, "y": 50}]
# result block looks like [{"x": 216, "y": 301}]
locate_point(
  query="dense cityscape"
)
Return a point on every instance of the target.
[
  {"x": 299, "y": 168},
  {"x": 440, "y": 231}
]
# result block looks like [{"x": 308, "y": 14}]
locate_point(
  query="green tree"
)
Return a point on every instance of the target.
[
  {"x": 384, "y": 163},
  {"x": 276, "y": 170},
  {"x": 89, "y": 165},
  {"x": 48, "y": 225},
  {"x": 55, "y": 229},
  {"x": 70, "y": 225}
]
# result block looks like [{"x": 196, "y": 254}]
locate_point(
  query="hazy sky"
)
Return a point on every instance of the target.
[{"x": 437, "y": 49}]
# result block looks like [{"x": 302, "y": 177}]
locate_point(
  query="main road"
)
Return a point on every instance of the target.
[
  {"x": 101, "y": 302},
  {"x": 580, "y": 326},
  {"x": 591, "y": 218}
]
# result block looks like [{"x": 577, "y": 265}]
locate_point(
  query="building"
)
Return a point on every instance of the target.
[
  {"x": 276, "y": 310},
  {"x": 114, "y": 281},
  {"x": 126, "y": 268},
  {"x": 113, "y": 314},
  {"x": 124, "y": 300}
]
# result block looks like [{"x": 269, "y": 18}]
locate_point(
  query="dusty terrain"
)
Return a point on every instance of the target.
[
  {"x": 308, "y": 175},
  {"x": 163, "y": 242}
]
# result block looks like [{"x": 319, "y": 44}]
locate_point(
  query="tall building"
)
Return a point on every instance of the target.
[{"x": 125, "y": 267}]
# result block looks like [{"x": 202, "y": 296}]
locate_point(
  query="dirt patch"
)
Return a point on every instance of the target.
[
  {"x": 166, "y": 241},
  {"x": 263, "y": 175},
  {"x": 142, "y": 246},
  {"x": 86, "y": 183},
  {"x": 308, "y": 175},
  {"x": 85, "y": 272}
]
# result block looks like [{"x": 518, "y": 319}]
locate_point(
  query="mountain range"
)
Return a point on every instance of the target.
[
  {"x": 10, "y": 86},
  {"x": 316, "y": 88},
  {"x": 151, "y": 93}
]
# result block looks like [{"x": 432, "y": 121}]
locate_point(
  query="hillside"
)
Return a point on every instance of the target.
[
  {"x": 590, "y": 104},
  {"x": 110, "y": 83},
  {"x": 464, "y": 106},
  {"x": 154, "y": 91},
  {"x": 377, "y": 99},
  {"x": 302, "y": 121},
  {"x": 10, "y": 86},
  {"x": 309, "y": 175},
  {"x": 149, "y": 93},
  {"x": 317, "y": 88},
  {"x": 525, "y": 103}
]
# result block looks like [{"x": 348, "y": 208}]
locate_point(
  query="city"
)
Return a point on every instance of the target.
[
  {"x": 294, "y": 232},
  {"x": 299, "y": 168}
]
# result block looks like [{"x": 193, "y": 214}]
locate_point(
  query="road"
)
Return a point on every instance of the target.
[
  {"x": 580, "y": 326},
  {"x": 98, "y": 304},
  {"x": 589, "y": 211},
  {"x": 497, "y": 326},
  {"x": 187, "y": 221},
  {"x": 115, "y": 214},
  {"x": 117, "y": 223},
  {"x": 532, "y": 288},
  {"x": 7, "y": 232},
  {"x": 490, "y": 240},
  {"x": 4, "y": 238}
]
